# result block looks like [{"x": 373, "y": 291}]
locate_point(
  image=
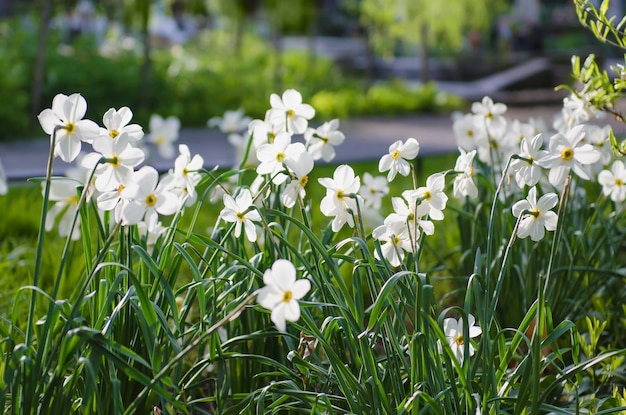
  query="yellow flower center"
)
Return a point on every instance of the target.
[
  {"x": 459, "y": 340},
  {"x": 287, "y": 296},
  {"x": 120, "y": 188},
  {"x": 535, "y": 213},
  {"x": 290, "y": 113},
  {"x": 70, "y": 127},
  {"x": 280, "y": 157},
  {"x": 151, "y": 200},
  {"x": 303, "y": 181},
  {"x": 395, "y": 154},
  {"x": 113, "y": 133},
  {"x": 185, "y": 171},
  {"x": 73, "y": 200},
  {"x": 411, "y": 216},
  {"x": 619, "y": 182},
  {"x": 270, "y": 137},
  {"x": 240, "y": 215},
  {"x": 470, "y": 133},
  {"x": 159, "y": 140},
  {"x": 567, "y": 154},
  {"x": 340, "y": 194},
  {"x": 114, "y": 161},
  {"x": 395, "y": 240},
  {"x": 427, "y": 195}
]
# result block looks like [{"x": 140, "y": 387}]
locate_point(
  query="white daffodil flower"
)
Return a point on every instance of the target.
[
  {"x": 116, "y": 123},
  {"x": 291, "y": 111},
  {"x": 537, "y": 216},
  {"x": 566, "y": 154},
  {"x": 396, "y": 161},
  {"x": 64, "y": 193},
  {"x": 598, "y": 137},
  {"x": 341, "y": 192},
  {"x": 463, "y": 184},
  {"x": 282, "y": 292},
  {"x": 300, "y": 166},
  {"x": 614, "y": 181},
  {"x": 272, "y": 156},
  {"x": 151, "y": 198},
  {"x": 68, "y": 112},
  {"x": 396, "y": 241},
  {"x": 242, "y": 212},
  {"x": 163, "y": 133},
  {"x": 265, "y": 131},
  {"x": 321, "y": 142},
  {"x": 120, "y": 160},
  {"x": 187, "y": 169},
  {"x": 404, "y": 214},
  {"x": 373, "y": 190},
  {"x": 491, "y": 114},
  {"x": 528, "y": 171},
  {"x": 429, "y": 200},
  {"x": 453, "y": 329},
  {"x": 469, "y": 131},
  {"x": 231, "y": 122}
]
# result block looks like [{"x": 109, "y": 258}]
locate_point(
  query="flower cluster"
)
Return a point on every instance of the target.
[
  {"x": 282, "y": 161},
  {"x": 113, "y": 174},
  {"x": 539, "y": 159},
  {"x": 282, "y": 150}
]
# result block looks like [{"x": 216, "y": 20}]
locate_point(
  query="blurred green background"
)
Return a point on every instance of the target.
[{"x": 197, "y": 58}]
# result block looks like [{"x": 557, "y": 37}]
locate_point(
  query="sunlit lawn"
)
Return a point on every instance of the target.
[{"x": 21, "y": 209}]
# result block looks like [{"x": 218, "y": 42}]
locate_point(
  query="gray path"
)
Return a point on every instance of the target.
[{"x": 366, "y": 139}]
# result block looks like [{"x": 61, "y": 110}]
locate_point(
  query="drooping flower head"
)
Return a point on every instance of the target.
[{"x": 282, "y": 292}]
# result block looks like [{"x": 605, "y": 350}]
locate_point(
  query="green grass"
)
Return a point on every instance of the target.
[{"x": 21, "y": 209}]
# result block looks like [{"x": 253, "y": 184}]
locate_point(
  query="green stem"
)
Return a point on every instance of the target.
[
  {"x": 40, "y": 236},
  {"x": 541, "y": 293}
]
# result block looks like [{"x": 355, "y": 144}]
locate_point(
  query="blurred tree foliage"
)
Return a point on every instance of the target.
[{"x": 425, "y": 23}]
